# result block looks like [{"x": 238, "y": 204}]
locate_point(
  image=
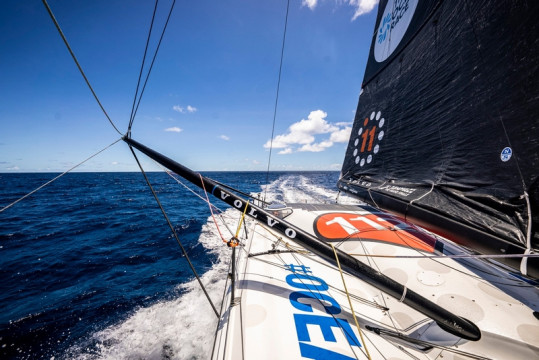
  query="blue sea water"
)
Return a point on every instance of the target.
[{"x": 90, "y": 269}]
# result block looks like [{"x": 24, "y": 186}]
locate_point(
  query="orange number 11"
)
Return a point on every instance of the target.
[{"x": 370, "y": 135}]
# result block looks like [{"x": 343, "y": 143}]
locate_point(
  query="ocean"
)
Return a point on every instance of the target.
[{"x": 90, "y": 269}]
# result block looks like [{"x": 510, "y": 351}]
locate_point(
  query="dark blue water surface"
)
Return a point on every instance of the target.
[{"x": 88, "y": 250}]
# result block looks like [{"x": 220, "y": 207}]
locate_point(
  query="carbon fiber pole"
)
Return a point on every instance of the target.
[{"x": 448, "y": 321}]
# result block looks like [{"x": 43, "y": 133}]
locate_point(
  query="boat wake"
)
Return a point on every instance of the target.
[
  {"x": 302, "y": 189},
  {"x": 183, "y": 328}
]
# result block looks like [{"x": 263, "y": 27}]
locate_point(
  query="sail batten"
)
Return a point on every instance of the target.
[{"x": 446, "y": 126}]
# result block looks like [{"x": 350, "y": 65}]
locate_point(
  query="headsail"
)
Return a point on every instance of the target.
[{"x": 446, "y": 132}]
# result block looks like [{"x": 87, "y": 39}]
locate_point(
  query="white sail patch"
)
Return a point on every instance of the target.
[
  {"x": 370, "y": 134},
  {"x": 506, "y": 154},
  {"x": 393, "y": 25}
]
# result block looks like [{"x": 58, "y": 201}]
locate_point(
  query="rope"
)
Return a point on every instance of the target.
[
  {"x": 350, "y": 302},
  {"x": 175, "y": 234},
  {"x": 142, "y": 68},
  {"x": 59, "y": 176},
  {"x": 469, "y": 256},
  {"x": 78, "y": 65},
  {"x": 211, "y": 210},
  {"x": 222, "y": 214},
  {"x": 403, "y": 294},
  {"x": 241, "y": 220},
  {"x": 524, "y": 262},
  {"x": 153, "y": 61},
  {"x": 277, "y": 97}
]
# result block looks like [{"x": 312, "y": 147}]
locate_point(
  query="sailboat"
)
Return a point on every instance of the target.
[{"x": 438, "y": 263}]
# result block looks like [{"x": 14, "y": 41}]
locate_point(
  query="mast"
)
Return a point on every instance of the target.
[{"x": 446, "y": 320}]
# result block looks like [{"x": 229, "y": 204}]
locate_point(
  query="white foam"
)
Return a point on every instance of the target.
[
  {"x": 182, "y": 328},
  {"x": 300, "y": 189}
]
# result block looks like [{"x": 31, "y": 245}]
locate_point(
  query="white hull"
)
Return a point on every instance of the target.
[{"x": 282, "y": 308}]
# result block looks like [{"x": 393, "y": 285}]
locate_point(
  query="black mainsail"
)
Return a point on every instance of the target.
[{"x": 446, "y": 132}]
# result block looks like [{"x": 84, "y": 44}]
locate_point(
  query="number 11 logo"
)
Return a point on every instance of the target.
[
  {"x": 372, "y": 227},
  {"x": 370, "y": 134}
]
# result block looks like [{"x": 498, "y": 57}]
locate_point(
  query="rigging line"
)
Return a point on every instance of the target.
[
  {"x": 142, "y": 68},
  {"x": 350, "y": 302},
  {"x": 470, "y": 256},
  {"x": 366, "y": 253},
  {"x": 221, "y": 213},
  {"x": 211, "y": 210},
  {"x": 468, "y": 266},
  {"x": 278, "y": 254},
  {"x": 314, "y": 294},
  {"x": 174, "y": 233},
  {"x": 153, "y": 60},
  {"x": 188, "y": 188},
  {"x": 78, "y": 65},
  {"x": 59, "y": 176},
  {"x": 432, "y": 257},
  {"x": 241, "y": 220},
  {"x": 277, "y": 97}
]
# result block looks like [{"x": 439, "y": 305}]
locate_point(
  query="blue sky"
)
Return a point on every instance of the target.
[{"x": 210, "y": 99}]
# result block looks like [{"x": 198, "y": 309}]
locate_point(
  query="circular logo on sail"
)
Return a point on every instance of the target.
[
  {"x": 506, "y": 154},
  {"x": 370, "y": 134},
  {"x": 393, "y": 25}
]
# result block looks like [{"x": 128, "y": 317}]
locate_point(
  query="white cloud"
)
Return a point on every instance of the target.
[
  {"x": 315, "y": 124},
  {"x": 362, "y": 7},
  {"x": 183, "y": 110},
  {"x": 14, "y": 168},
  {"x": 321, "y": 146},
  {"x": 286, "y": 151},
  {"x": 283, "y": 141},
  {"x": 311, "y": 4},
  {"x": 341, "y": 136},
  {"x": 224, "y": 137},
  {"x": 114, "y": 163},
  {"x": 173, "y": 129},
  {"x": 305, "y": 131},
  {"x": 256, "y": 162}
]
